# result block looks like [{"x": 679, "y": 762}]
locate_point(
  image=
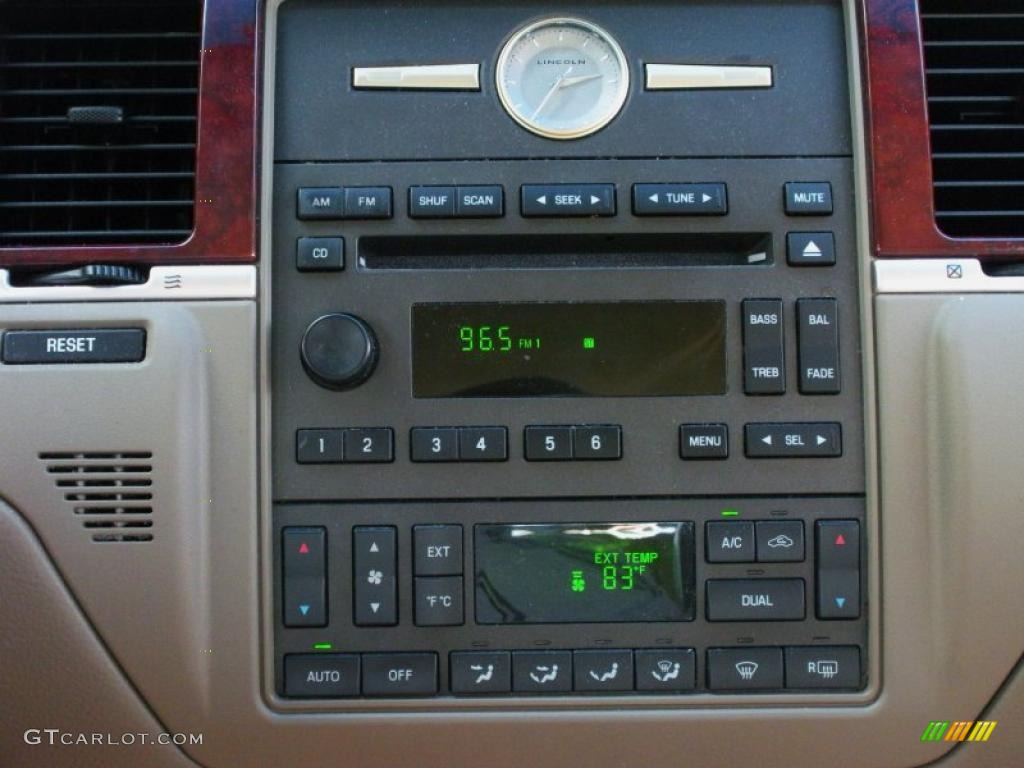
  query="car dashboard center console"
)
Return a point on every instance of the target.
[{"x": 566, "y": 357}]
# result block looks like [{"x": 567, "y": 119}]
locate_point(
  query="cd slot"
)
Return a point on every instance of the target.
[{"x": 644, "y": 251}]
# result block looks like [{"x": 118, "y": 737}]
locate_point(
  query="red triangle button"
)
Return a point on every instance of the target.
[
  {"x": 303, "y": 548},
  {"x": 840, "y": 541}
]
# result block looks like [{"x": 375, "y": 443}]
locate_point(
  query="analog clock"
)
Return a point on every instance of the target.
[{"x": 562, "y": 78}]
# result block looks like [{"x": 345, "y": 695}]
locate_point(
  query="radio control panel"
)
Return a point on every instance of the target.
[{"x": 565, "y": 361}]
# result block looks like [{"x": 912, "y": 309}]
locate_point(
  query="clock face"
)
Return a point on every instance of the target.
[{"x": 562, "y": 78}]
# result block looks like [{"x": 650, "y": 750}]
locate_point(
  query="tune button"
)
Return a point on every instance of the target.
[{"x": 339, "y": 351}]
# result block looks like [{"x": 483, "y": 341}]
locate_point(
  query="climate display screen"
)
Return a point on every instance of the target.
[
  {"x": 613, "y": 349},
  {"x": 584, "y": 572}
]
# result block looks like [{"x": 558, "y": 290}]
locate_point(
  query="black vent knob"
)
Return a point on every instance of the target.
[{"x": 339, "y": 351}]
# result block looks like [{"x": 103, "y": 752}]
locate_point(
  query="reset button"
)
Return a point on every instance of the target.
[{"x": 95, "y": 345}]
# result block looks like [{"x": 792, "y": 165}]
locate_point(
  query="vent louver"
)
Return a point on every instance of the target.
[
  {"x": 974, "y": 61},
  {"x": 111, "y": 492},
  {"x": 98, "y": 121}
]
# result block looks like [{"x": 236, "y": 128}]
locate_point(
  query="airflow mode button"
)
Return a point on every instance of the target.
[{"x": 97, "y": 345}]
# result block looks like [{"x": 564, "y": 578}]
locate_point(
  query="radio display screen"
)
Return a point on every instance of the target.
[
  {"x": 584, "y": 572},
  {"x": 586, "y": 349}
]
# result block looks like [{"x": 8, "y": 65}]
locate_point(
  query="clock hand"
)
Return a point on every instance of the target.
[
  {"x": 568, "y": 82},
  {"x": 554, "y": 89}
]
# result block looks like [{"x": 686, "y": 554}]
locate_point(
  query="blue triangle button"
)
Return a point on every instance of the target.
[
  {"x": 304, "y": 608},
  {"x": 840, "y": 601}
]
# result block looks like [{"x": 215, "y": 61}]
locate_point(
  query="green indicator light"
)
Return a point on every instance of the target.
[
  {"x": 730, "y": 513},
  {"x": 322, "y": 646},
  {"x": 589, "y": 342},
  {"x": 578, "y": 584}
]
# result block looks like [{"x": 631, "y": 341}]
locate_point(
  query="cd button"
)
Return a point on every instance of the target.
[{"x": 320, "y": 254}]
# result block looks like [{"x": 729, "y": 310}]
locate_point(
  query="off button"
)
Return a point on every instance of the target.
[{"x": 400, "y": 674}]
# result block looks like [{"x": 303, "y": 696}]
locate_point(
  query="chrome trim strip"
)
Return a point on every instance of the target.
[
  {"x": 939, "y": 276},
  {"x": 428, "y": 77},
  {"x": 164, "y": 284},
  {"x": 681, "y": 77}
]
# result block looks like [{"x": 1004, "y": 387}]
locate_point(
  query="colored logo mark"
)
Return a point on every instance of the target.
[{"x": 971, "y": 730}]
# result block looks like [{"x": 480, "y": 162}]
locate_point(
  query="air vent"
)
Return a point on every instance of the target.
[
  {"x": 98, "y": 108},
  {"x": 974, "y": 58},
  {"x": 110, "y": 492}
]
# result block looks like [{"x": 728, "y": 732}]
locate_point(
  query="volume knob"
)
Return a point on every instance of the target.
[{"x": 339, "y": 351}]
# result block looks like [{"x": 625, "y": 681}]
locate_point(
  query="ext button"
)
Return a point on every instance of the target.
[
  {"x": 811, "y": 249},
  {"x": 434, "y": 444},
  {"x": 780, "y": 541},
  {"x": 374, "y": 576},
  {"x": 755, "y": 599},
  {"x": 603, "y": 670},
  {"x": 437, "y": 550},
  {"x": 730, "y": 542},
  {"x": 794, "y": 441},
  {"x": 548, "y": 443},
  {"x": 327, "y": 675},
  {"x": 808, "y": 198},
  {"x": 680, "y": 200},
  {"x": 399, "y": 674},
  {"x": 483, "y": 444},
  {"x": 744, "y": 669},
  {"x": 431, "y": 202},
  {"x": 480, "y": 202},
  {"x": 320, "y": 254},
  {"x": 670, "y": 669},
  {"x": 481, "y": 671},
  {"x": 304, "y": 569},
  {"x": 823, "y": 666},
  {"x": 568, "y": 200},
  {"x": 320, "y": 203},
  {"x": 704, "y": 441},
  {"x": 764, "y": 358},
  {"x": 542, "y": 671},
  {"x": 367, "y": 203},
  {"x": 438, "y": 601},
  {"x": 818, "y": 335}
]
